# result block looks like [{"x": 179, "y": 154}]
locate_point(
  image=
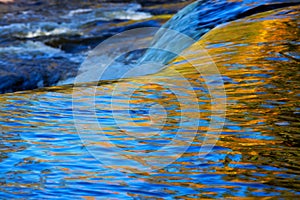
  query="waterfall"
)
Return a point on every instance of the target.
[
  {"x": 200, "y": 17},
  {"x": 181, "y": 31}
]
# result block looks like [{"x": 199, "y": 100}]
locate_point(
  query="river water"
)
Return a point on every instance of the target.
[{"x": 48, "y": 151}]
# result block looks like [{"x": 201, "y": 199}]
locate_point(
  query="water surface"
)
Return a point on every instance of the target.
[{"x": 256, "y": 155}]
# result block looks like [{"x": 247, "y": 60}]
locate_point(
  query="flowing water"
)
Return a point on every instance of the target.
[{"x": 255, "y": 155}]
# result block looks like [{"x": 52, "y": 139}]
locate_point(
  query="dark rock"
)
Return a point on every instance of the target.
[{"x": 35, "y": 74}]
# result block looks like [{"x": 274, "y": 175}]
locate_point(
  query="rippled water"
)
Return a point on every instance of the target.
[{"x": 256, "y": 155}]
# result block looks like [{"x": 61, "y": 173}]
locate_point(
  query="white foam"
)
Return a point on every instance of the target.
[
  {"x": 32, "y": 48},
  {"x": 27, "y": 30},
  {"x": 40, "y": 32},
  {"x": 78, "y": 11},
  {"x": 109, "y": 12},
  {"x": 127, "y": 15}
]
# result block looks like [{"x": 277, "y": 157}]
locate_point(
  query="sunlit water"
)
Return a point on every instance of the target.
[{"x": 256, "y": 155}]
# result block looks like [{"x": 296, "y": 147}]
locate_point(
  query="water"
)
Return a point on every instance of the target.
[
  {"x": 200, "y": 17},
  {"x": 256, "y": 155},
  {"x": 41, "y": 38}
]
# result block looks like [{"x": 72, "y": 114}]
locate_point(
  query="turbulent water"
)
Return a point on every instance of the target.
[
  {"x": 43, "y": 156},
  {"x": 40, "y": 39}
]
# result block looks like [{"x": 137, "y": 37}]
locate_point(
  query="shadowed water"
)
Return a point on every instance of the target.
[{"x": 256, "y": 155}]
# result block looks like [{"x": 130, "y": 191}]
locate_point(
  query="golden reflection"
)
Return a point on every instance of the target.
[
  {"x": 255, "y": 62},
  {"x": 89, "y": 198},
  {"x": 261, "y": 83}
]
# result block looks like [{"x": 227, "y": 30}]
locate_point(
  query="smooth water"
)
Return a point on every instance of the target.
[{"x": 256, "y": 155}]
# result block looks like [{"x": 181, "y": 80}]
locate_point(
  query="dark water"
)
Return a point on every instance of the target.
[
  {"x": 256, "y": 155},
  {"x": 43, "y": 42}
]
